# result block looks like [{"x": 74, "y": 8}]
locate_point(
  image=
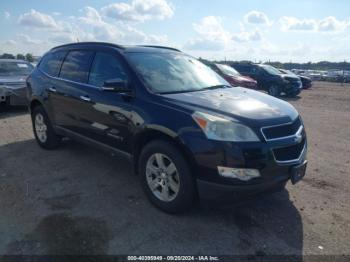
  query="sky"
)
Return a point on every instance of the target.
[{"x": 255, "y": 30}]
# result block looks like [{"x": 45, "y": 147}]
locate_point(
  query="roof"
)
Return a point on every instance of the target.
[
  {"x": 13, "y": 60},
  {"x": 124, "y": 48}
]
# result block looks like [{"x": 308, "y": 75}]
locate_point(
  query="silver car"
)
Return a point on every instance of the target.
[{"x": 13, "y": 74}]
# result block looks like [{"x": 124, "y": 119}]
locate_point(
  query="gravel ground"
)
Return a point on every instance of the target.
[{"x": 77, "y": 200}]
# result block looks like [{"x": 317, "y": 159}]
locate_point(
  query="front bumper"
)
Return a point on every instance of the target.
[
  {"x": 274, "y": 174},
  {"x": 225, "y": 193},
  {"x": 13, "y": 96}
]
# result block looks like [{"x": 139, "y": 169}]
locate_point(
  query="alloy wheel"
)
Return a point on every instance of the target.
[
  {"x": 40, "y": 127},
  {"x": 162, "y": 177}
]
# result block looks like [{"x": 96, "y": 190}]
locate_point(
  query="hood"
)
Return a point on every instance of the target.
[
  {"x": 305, "y": 78},
  {"x": 247, "y": 79},
  {"x": 13, "y": 79},
  {"x": 248, "y": 106},
  {"x": 290, "y": 77},
  {"x": 240, "y": 78}
]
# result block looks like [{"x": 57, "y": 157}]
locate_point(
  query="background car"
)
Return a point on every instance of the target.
[
  {"x": 306, "y": 81},
  {"x": 13, "y": 74},
  {"x": 233, "y": 76},
  {"x": 270, "y": 78}
]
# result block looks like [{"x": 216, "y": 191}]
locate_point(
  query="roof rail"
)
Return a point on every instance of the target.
[
  {"x": 162, "y": 47},
  {"x": 89, "y": 43}
]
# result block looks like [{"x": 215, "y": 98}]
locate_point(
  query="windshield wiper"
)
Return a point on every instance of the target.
[
  {"x": 216, "y": 87},
  {"x": 195, "y": 90},
  {"x": 178, "y": 91}
]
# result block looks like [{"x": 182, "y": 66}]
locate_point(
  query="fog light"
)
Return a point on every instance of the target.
[{"x": 244, "y": 174}]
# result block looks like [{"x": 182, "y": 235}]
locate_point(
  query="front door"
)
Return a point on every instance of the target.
[{"x": 107, "y": 116}]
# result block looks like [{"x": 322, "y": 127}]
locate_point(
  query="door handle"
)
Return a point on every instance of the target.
[
  {"x": 52, "y": 89},
  {"x": 85, "y": 98}
]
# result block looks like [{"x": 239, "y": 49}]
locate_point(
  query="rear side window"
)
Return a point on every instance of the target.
[
  {"x": 106, "y": 67},
  {"x": 76, "y": 66},
  {"x": 51, "y": 63}
]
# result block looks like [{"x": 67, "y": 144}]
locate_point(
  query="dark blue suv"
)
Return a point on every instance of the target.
[{"x": 187, "y": 132}]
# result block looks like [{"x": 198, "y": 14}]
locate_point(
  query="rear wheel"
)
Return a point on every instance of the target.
[
  {"x": 274, "y": 90},
  {"x": 43, "y": 130},
  {"x": 166, "y": 177}
]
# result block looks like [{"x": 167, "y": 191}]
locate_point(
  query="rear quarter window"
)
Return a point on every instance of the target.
[
  {"x": 76, "y": 66},
  {"x": 51, "y": 63}
]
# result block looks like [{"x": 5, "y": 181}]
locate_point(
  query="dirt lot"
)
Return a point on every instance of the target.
[{"x": 77, "y": 200}]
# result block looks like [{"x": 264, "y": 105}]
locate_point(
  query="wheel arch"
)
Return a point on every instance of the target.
[
  {"x": 34, "y": 103},
  {"x": 154, "y": 133}
]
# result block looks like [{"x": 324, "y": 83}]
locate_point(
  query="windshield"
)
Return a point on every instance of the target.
[
  {"x": 15, "y": 68},
  {"x": 228, "y": 70},
  {"x": 288, "y": 72},
  {"x": 271, "y": 70},
  {"x": 174, "y": 72}
]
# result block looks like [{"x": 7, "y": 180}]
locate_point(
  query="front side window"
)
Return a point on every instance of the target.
[
  {"x": 51, "y": 63},
  {"x": 15, "y": 68},
  {"x": 76, "y": 66},
  {"x": 271, "y": 70},
  {"x": 174, "y": 72},
  {"x": 105, "y": 67}
]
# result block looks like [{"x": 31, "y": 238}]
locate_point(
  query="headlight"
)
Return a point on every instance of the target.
[
  {"x": 222, "y": 129},
  {"x": 285, "y": 80}
]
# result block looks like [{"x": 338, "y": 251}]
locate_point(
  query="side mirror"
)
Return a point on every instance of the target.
[{"x": 116, "y": 85}]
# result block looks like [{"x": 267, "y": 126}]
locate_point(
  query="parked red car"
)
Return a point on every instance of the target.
[{"x": 232, "y": 76}]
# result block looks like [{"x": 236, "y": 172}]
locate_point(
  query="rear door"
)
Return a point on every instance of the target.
[
  {"x": 70, "y": 97},
  {"x": 50, "y": 65}
]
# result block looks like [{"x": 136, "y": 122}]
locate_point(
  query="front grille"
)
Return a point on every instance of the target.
[
  {"x": 289, "y": 153},
  {"x": 281, "y": 130}
]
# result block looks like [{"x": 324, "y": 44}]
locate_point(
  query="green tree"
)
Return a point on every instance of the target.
[
  {"x": 7, "y": 56},
  {"x": 29, "y": 58},
  {"x": 20, "y": 57}
]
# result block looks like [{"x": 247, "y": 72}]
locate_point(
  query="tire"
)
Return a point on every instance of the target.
[
  {"x": 274, "y": 91},
  {"x": 167, "y": 195},
  {"x": 293, "y": 94},
  {"x": 43, "y": 130}
]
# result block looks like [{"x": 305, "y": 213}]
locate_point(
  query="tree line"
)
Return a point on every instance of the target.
[
  {"x": 323, "y": 65},
  {"x": 28, "y": 57}
]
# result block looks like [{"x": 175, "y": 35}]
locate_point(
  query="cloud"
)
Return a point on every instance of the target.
[
  {"x": 294, "y": 24},
  {"x": 27, "y": 40},
  {"x": 37, "y": 19},
  {"x": 139, "y": 10},
  {"x": 204, "y": 44},
  {"x": 247, "y": 36},
  {"x": 211, "y": 28},
  {"x": 328, "y": 24},
  {"x": 10, "y": 42},
  {"x": 212, "y": 36},
  {"x": 63, "y": 38},
  {"x": 256, "y": 17},
  {"x": 7, "y": 15},
  {"x": 332, "y": 24},
  {"x": 104, "y": 31}
]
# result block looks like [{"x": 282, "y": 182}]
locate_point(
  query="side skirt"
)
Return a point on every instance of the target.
[{"x": 91, "y": 142}]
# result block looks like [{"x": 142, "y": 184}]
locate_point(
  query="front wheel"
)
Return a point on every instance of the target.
[
  {"x": 43, "y": 130},
  {"x": 274, "y": 91},
  {"x": 166, "y": 177}
]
